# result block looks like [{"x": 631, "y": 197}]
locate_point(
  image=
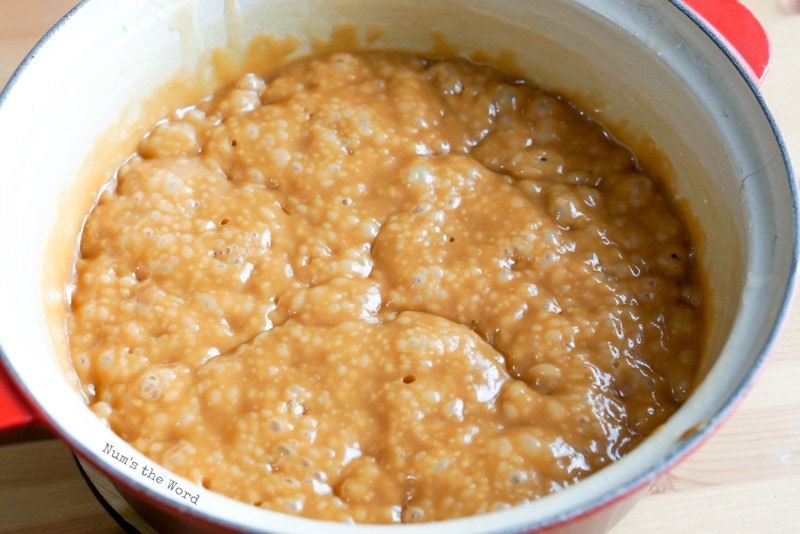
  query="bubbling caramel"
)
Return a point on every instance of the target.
[{"x": 384, "y": 288}]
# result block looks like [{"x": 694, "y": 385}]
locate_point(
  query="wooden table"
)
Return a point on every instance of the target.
[{"x": 745, "y": 479}]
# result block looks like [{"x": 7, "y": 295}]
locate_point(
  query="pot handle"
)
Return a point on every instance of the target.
[
  {"x": 18, "y": 421},
  {"x": 740, "y": 29}
]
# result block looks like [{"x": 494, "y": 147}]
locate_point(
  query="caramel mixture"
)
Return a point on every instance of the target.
[{"x": 383, "y": 288}]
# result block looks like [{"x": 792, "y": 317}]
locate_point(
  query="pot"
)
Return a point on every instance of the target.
[{"x": 656, "y": 73}]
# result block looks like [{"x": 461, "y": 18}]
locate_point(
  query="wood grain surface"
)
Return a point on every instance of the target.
[{"x": 745, "y": 478}]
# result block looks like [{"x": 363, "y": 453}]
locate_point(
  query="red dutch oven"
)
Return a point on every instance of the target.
[{"x": 679, "y": 76}]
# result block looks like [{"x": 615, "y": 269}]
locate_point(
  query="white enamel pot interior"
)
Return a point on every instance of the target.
[{"x": 648, "y": 69}]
